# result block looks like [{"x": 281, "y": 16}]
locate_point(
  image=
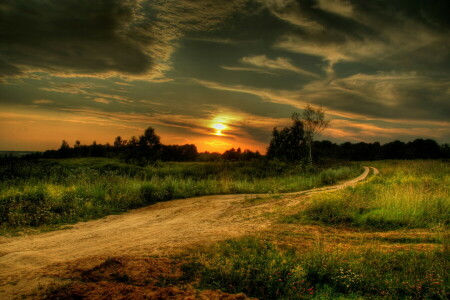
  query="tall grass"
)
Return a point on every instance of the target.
[
  {"x": 260, "y": 269},
  {"x": 34, "y": 193},
  {"x": 406, "y": 194}
]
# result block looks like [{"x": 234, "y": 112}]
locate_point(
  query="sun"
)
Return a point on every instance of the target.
[{"x": 219, "y": 127}]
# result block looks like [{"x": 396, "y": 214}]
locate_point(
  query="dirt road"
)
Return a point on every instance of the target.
[{"x": 28, "y": 263}]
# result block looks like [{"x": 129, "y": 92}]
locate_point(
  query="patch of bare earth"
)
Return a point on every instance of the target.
[{"x": 134, "y": 278}]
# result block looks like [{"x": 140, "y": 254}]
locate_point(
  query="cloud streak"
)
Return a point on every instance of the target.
[{"x": 279, "y": 63}]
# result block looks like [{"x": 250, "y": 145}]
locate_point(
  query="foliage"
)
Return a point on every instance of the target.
[
  {"x": 35, "y": 193},
  {"x": 287, "y": 144},
  {"x": 406, "y": 194},
  {"x": 314, "y": 122},
  {"x": 260, "y": 269},
  {"x": 254, "y": 267}
]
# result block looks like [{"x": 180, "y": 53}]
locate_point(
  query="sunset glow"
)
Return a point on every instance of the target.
[{"x": 221, "y": 74}]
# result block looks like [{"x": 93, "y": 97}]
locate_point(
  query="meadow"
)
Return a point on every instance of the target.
[
  {"x": 43, "y": 192},
  {"x": 389, "y": 239},
  {"x": 406, "y": 194}
]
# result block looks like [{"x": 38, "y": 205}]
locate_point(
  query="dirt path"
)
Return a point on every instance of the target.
[{"x": 30, "y": 262}]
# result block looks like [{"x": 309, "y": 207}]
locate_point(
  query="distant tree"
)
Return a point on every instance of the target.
[
  {"x": 119, "y": 142},
  {"x": 151, "y": 138},
  {"x": 422, "y": 149},
  {"x": 149, "y": 145},
  {"x": 132, "y": 142},
  {"x": 287, "y": 144},
  {"x": 179, "y": 153},
  {"x": 77, "y": 148},
  {"x": 394, "y": 150},
  {"x": 314, "y": 123},
  {"x": 64, "y": 150},
  {"x": 232, "y": 154}
]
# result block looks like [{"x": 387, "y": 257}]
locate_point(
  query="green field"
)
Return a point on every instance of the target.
[
  {"x": 406, "y": 194},
  {"x": 45, "y": 192},
  {"x": 390, "y": 240},
  {"x": 385, "y": 238}
]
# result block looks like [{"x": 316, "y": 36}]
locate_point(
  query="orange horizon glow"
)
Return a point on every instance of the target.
[{"x": 34, "y": 129}]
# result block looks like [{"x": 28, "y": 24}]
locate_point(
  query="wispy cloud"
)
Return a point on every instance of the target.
[
  {"x": 343, "y": 8},
  {"x": 42, "y": 101},
  {"x": 246, "y": 69},
  {"x": 102, "y": 100},
  {"x": 279, "y": 63}
]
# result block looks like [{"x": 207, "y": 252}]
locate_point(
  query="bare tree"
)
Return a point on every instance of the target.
[{"x": 314, "y": 123}]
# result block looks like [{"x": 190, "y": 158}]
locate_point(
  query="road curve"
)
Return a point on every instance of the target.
[{"x": 27, "y": 262}]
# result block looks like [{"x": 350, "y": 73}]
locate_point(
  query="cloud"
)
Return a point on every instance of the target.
[
  {"x": 102, "y": 100},
  {"x": 42, "y": 101},
  {"x": 280, "y": 63},
  {"x": 392, "y": 99},
  {"x": 371, "y": 33},
  {"x": 245, "y": 69},
  {"x": 292, "y": 12},
  {"x": 352, "y": 130},
  {"x": 339, "y": 7},
  {"x": 72, "y": 36},
  {"x": 127, "y": 38},
  {"x": 88, "y": 92}
]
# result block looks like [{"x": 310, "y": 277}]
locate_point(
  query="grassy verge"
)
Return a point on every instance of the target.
[
  {"x": 407, "y": 194},
  {"x": 37, "y": 193},
  {"x": 260, "y": 269}
]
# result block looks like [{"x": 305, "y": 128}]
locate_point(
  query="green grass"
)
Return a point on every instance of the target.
[
  {"x": 45, "y": 192},
  {"x": 406, "y": 194},
  {"x": 260, "y": 269}
]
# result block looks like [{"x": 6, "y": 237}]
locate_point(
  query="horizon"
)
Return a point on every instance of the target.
[
  {"x": 236, "y": 148},
  {"x": 221, "y": 75}
]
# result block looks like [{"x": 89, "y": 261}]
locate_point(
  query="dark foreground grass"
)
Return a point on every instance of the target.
[
  {"x": 260, "y": 269},
  {"x": 406, "y": 194},
  {"x": 46, "y": 192}
]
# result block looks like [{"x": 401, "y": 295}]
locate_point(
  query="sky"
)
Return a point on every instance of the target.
[{"x": 221, "y": 74}]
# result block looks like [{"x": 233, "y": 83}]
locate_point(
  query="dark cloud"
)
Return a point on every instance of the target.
[
  {"x": 133, "y": 38},
  {"x": 74, "y": 36}
]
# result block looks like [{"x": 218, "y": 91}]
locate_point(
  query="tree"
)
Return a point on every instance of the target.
[
  {"x": 314, "y": 123},
  {"x": 287, "y": 144},
  {"x": 149, "y": 145},
  {"x": 64, "y": 150}
]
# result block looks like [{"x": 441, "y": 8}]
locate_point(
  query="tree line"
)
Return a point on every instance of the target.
[
  {"x": 144, "y": 150},
  {"x": 290, "y": 144},
  {"x": 296, "y": 143}
]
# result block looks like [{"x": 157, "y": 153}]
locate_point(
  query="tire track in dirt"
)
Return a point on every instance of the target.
[{"x": 27, "y": 262}]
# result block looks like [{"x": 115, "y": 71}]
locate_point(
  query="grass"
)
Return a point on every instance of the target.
[
  {"x": 407, "y": 194},
  {"x": 47, "y": 192},
  {"x": 261, "y": 269}
]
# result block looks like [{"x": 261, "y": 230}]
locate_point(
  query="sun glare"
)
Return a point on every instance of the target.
[{"x": 219, "y": 126}]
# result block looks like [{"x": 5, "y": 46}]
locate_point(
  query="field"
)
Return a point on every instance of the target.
[
  {"x": 46, "y": 193},
  {"x": 386, "y": 237}
]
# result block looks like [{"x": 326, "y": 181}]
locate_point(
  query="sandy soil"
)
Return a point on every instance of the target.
[{"x": 29, "y": 263}]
